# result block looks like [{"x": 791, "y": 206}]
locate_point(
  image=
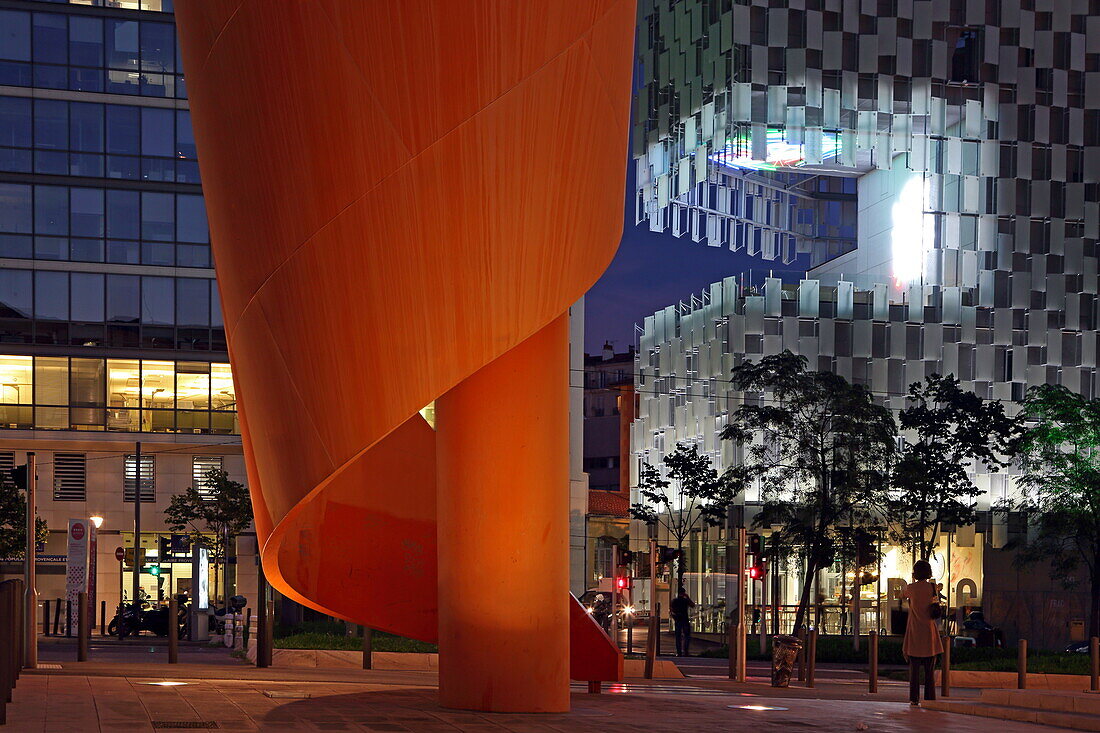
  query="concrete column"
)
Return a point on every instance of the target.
[{"x": 503, "y": 478}]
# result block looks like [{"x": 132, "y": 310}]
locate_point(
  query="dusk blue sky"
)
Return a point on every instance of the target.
[{"x": 652, "y": 271}]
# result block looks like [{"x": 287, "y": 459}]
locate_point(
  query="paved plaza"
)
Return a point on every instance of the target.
[{"x": 133, "y": 697}]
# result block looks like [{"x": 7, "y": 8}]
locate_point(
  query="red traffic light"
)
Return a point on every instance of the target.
[
  {"x": 757, "y": 572},
  {"x": 622, "y": 582}
]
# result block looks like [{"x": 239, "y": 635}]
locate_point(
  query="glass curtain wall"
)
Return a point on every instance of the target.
[{"x": 127, "y": 395}]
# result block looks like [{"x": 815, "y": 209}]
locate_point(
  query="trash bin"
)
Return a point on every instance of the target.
[{"x": 785, "y": 651}]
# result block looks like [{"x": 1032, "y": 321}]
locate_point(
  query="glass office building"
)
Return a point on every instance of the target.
[{"x": 110, "y": 321}]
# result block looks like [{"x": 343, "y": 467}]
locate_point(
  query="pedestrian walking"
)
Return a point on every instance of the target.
[
  {"x": 922, "y": 639},
  {"x": 680, "y": 609},
  {"x": 601, "y": 611}
]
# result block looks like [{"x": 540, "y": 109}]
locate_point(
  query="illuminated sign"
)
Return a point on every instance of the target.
[{"x": 202, "y": 587}]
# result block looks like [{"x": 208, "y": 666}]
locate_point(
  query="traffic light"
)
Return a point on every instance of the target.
[
  {"x": 866, "y": 549},
  {"x": 624, "y": 582},
  {"x": 153, "y": 569},
  {"x": 756, "y": 545},
  {"x": 667, "y": 554},
  {"x": 758, "y": 571},
  {"x": 626, "y": 557},
  {"x": 164, "y": 547},
  {"x": 19, "y": 476}
]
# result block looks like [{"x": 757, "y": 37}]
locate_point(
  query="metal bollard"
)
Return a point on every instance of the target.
[
  {"x": 811, "y": 659},
  {"x": 57, "y": 617},
  {"x": 651, "y": 646},
  {"x": 872, "y": 654},
  {"x": 801, "y": 634},
  {"x": 733, "y": 635},
  {"x": 247, "y": 632},
  {"x": 68, "y": 618},
  {"x": 269, "y": 633},
  {"x": 18, "y": 629},
  {"x": 82, "y": 627},
  {"x": 7, "y": 649},
  {"x": 173, "y": 631},
  {"x": 1094, "y": 671},
  {"x": 103, "y": 618},
  {"x": 368, "y": 648},
  {"x": 1021, "y": 664},
  {"x": 261, "y": 635},
  {"x": 657, "y": 642},
  {"x": 45, "y": 618},
  {"x": 945, "y": 674}
]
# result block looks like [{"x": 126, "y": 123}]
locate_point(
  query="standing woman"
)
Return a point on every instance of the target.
[{"x": 922, "y": 639}]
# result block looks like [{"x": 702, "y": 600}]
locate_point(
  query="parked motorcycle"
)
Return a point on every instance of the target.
[
  {"x": 132, "y": 622},
  {"x": 217, "y": 620}
]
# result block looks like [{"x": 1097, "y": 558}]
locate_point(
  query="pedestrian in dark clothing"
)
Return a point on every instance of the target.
[
  {"x": 601, "y": 610},
  {"x": 680, "y": 607}
]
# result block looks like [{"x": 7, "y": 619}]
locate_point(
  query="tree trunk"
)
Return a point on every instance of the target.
[
  {"x": 680, "y": 568},
  {"x": 804, "y": 596},
  {"x": 1094, "y": 600}
]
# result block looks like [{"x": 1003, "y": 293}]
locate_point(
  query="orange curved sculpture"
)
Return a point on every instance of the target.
[{"x": 405, "y": 198}]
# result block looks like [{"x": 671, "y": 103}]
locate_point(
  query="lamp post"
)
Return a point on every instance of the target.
[{"x": 30, "y": 611}]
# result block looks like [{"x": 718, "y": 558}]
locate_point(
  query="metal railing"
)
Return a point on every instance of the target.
[{"x": 11, "y": 641}]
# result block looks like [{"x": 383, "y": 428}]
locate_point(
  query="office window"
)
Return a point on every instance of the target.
[
  {"x": 123, "y": 303},
  {"x": 148, "y": 478},
  {"x": 130, "y": 395},
  {"x": 15, "y": 35},
  {"x": 157, "y": 300},
  {"x": 87, "y": 398},
  {"x": 69, "y": 477},
  {"x": 86, "y": 292},
  {"x": 51, "y": 210},
  {"x": 191, "y": 220},
  {"x": 158, "y": 219},
  {"x": 51, "y": 392},
  {"x": 15, "y": 294},
  {"x": 86, "y": 212},
  {"x": 200, "y": 465},
  {"x": 85, "y": 41},
  {"x": 7, "y": 461}
]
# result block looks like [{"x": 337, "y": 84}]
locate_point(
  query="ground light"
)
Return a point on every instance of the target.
[
  {"x": 166, "y": 683},
  {"x": 756, "y": 707}
]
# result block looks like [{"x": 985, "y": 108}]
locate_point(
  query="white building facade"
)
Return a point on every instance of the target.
[{"x": 935, "y": 163}]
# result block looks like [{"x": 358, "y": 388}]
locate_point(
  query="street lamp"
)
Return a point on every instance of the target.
[{"x": 96, "y": 520}]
